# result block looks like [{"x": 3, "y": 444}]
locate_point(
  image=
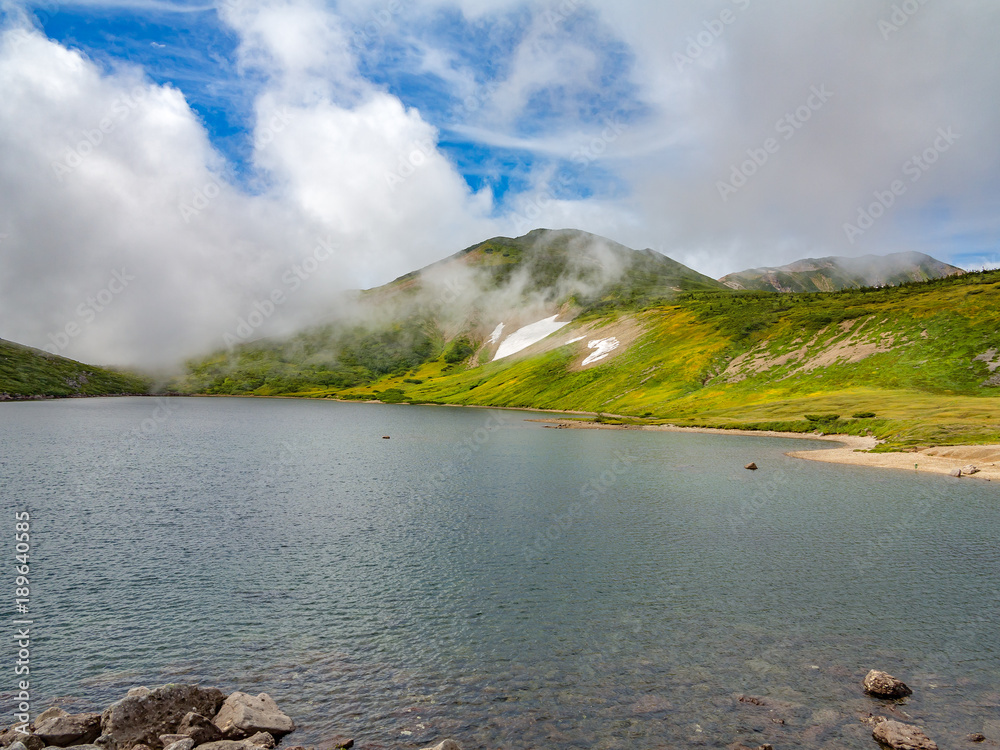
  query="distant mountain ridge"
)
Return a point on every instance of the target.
[{"x": 834, "y": 273}]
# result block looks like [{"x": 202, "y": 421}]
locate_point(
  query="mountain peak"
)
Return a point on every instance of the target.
[{"x": 833, "y": 273}]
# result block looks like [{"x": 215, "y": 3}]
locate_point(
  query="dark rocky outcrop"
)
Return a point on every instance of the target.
[
  {"x": 883, "y": 685},
  {"x": 143, "y": 715},
  {"x": 199, "y": 728}
]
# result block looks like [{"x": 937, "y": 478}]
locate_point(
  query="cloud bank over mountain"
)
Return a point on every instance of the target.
[{"x": 154, "y": 197}]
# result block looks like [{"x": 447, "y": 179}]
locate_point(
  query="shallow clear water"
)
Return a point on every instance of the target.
[{"x": 466, "y": 579}]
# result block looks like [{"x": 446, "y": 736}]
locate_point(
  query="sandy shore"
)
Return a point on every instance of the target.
[{"x": 852, "y": 450}]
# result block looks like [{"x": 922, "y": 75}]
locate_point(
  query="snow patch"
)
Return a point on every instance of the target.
[
  {"x": 497, "y": 332},
  {"x": 602, "y": 348},
  {"x": 573, "y": 341},
  {"x": 522, "y": 338}
]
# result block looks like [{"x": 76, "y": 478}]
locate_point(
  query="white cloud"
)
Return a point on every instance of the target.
[{"x": 339, "y": 157}]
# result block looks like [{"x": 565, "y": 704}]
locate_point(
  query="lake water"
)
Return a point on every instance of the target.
[{"x": 481, "y": 577}]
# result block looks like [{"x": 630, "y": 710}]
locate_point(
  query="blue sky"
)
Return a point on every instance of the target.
[
  {"x": 400, "y": 131},
  {"x": 196, "y": 52}
]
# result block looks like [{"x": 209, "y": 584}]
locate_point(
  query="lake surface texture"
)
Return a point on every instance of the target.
[{"x": 480, "y": 577}]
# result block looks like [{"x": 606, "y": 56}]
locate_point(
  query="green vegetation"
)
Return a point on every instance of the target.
[
  {"x": 458, "y": 350},
  {"x": 922, "y": 356},
  {"x": 26, "y": 372}
]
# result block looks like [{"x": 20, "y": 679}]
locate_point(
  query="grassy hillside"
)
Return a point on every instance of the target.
[
  {"x": 915, "y": 364},
  {"x": 451, "y": 306},
  {"x": 924, "y": 359},
  {"x": 26, "y": 372},
  {"x": 835, "y": 273}
]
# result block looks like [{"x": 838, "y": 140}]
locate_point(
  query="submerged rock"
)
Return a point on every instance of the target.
[
  {"x": 900, "y": 736},
  {"x": 883, "y": 685},
  {"x": 446, "y": 745},
  {"x": 242, "y": 715}
]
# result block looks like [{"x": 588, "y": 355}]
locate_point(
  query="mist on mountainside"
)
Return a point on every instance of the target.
[
  {"x": 486, "y": 291},
  {"x": 835, "y": 273}
]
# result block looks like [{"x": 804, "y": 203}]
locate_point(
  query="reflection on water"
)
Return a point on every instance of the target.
[{"x": 461, "y": 580}]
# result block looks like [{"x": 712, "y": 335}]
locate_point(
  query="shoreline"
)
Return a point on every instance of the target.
[{"x": 853, "y": 450}]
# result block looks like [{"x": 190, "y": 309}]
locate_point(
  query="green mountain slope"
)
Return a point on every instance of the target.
[
  {"x": 923, "y": 358},
  {"x": 27, "y": 372},
  {"x": 452, "y": 306},
  {"x": 835, "y": 273}
]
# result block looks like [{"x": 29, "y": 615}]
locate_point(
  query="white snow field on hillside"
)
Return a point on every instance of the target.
[
  {"x": 602, "y": 348},
  {"x": 522, "y": 338}
]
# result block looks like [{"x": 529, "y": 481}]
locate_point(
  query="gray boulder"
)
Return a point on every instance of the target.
[
  {"x": 18, "y": 745},
  {"x": 446, "y": 745},
  {"x": 247, "y": 744},
  {"x": 970, "y": 470},
  {"x": 30, "y": 741},
  {"x": 243, "y": 715},
  {"x": 141, "y": 718},
  {"x": 69, "y": 729},
  {"x": 899, "y": 736},
  {"x": 49, "y": 713},
  {"x": 169, "y": 739},
  {"x": 185, "y": 744},
  {"x": 882, "y": 685},
  {"x": 955, "y": 473},
  {"x": 199, "y": 728},
  {"x": 262, "y": 739}
]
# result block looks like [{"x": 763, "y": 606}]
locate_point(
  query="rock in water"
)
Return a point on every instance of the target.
[
  {"x": 883, "y": 685},
  {"x": 143, "y": 717},
  {"x": 66, "y": 730},
  {"x": 243, "y": 715},
  {"x": 446, "y": 745},
  {"x": 899, "y": 736},
  {"x": 751, "y": 466}
]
